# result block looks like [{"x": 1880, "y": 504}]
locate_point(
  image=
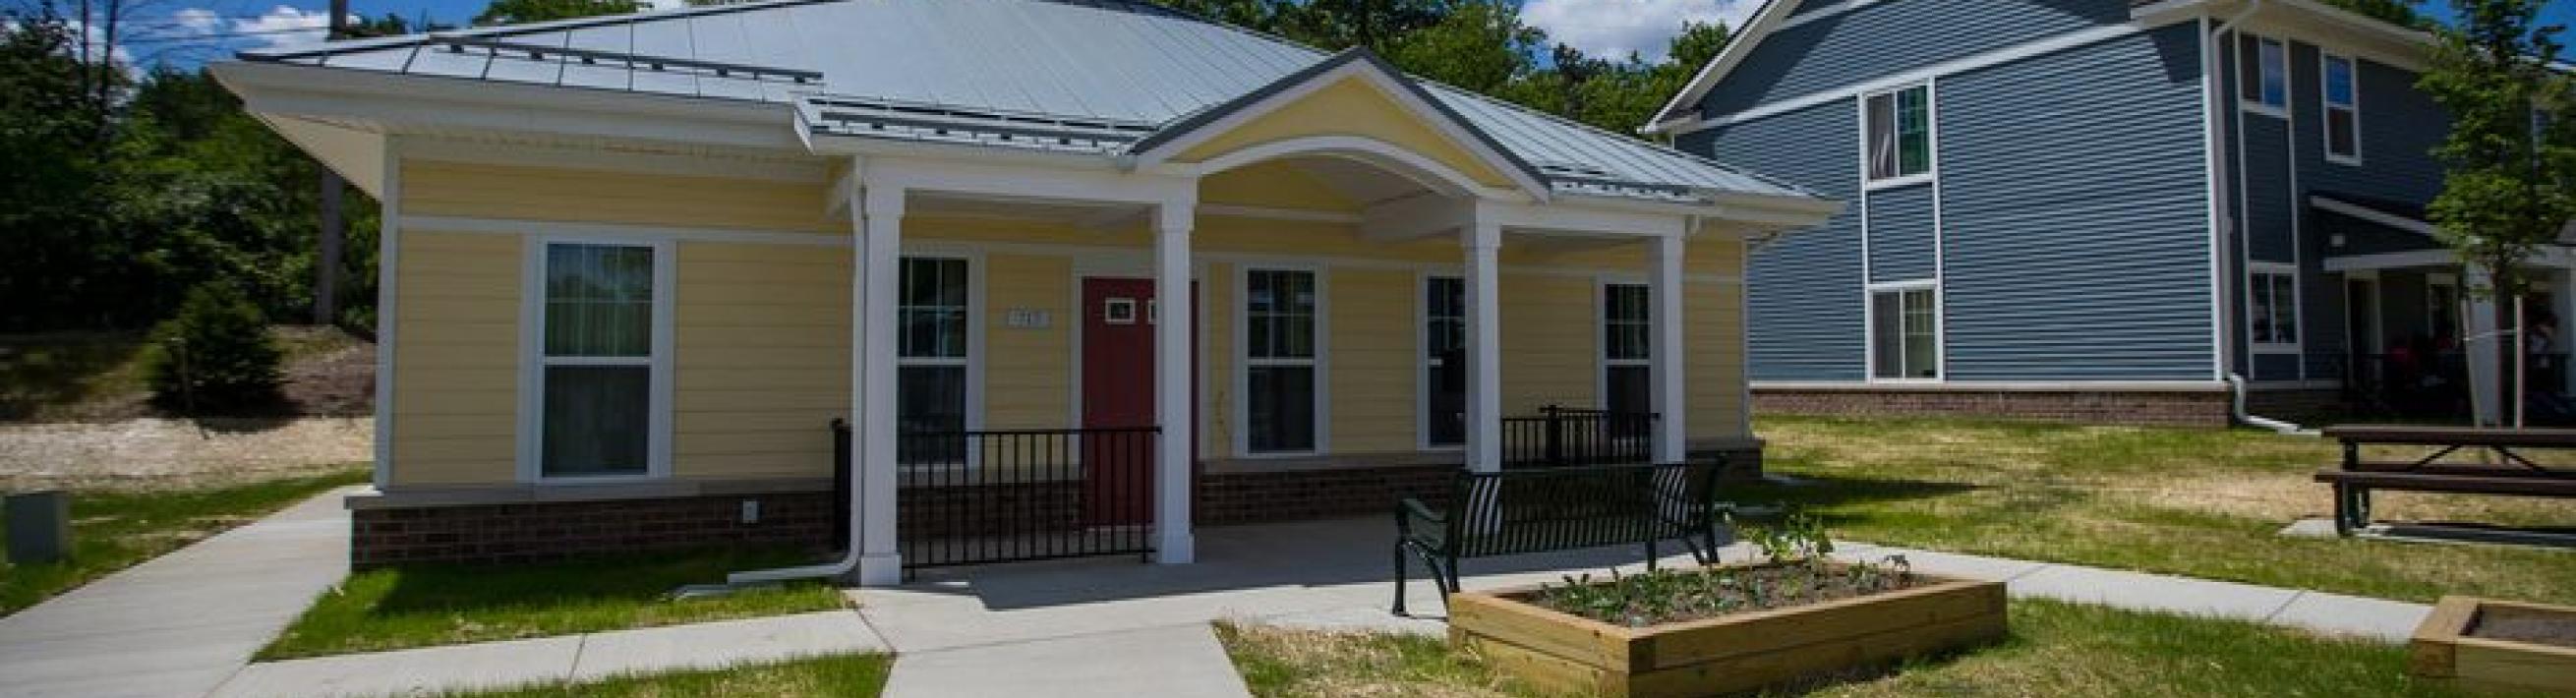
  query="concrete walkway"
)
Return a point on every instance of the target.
[
  {"x": 185, "y": 624},
  {"x": 179, "y": 624},
  {"x": 566, "y": 658}
]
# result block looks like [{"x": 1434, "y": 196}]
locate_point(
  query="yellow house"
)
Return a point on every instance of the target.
[{"x": 1078, "y": 274}]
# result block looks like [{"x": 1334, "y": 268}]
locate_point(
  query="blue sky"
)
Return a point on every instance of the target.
[{"x": 186, "y": 32}]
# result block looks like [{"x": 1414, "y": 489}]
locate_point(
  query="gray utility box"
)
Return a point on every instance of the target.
[{"x": 40, "y": 526}]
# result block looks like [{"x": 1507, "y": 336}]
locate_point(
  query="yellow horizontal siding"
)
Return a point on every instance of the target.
[
  {"x": 1218, "y": 289},
  {"x": 1713, "y": 341},
  {"x": 1372, "y": 365},
  {"x": 431, "y": 188},
  {"x": 761, "y": 360},
  {"x": 1550, "y": 338},
  {"x": 1351, "y": 107},
  {"x": 456, "y": 363},
  {"x": 1028, "y": 379}
]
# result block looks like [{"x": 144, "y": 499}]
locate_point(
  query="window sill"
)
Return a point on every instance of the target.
[
  {"x": 1898, "y": 182},
  {"x": 2261, "y": 109},
  {"x": 2354, "y": 161},
  {"x": 1905, "y": 381},
  {"x": 2276, "y": 349}
]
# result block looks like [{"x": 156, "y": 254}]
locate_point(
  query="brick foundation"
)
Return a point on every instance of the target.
[
  {"x": 530, "y": 532},
  {"x": 2197, "y": 408},
  {"x": 2308, "y": 406}
]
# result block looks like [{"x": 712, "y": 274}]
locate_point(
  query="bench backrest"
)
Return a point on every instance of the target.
[{"x": 1521, "y": 511}]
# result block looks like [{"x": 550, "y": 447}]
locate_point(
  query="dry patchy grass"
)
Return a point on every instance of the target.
[
  {"x": 2205, "y": 503},
  {"x": 854, "y": 676},
  {"x": 1282, "y": 662}
]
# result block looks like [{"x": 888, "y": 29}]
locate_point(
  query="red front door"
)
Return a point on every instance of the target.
[{"x": 1118, "y": 319}]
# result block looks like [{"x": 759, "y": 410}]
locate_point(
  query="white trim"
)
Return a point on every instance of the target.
[
  {"x": 1999, "y": 386},
  {"x": 2357, "y": 211},
  {"x": 2391, "y": 260},
  {"x": 1795, "y": 18},
  {"x": 509, "y": 226},
  {"x": 1438, "y": 176},
  {"x": 2032, "y": 49},
  {"x": 2326, "y": 107},
  {"x": 2222, "y": 353},
  {"x": 533, "y": 361},
  {"x": 389, "y": 225},
  {"x": 1393, "y": 86},
  {"x": 1278, "y": 213},
  {"x": 1773, "y": 16},
  {"x": 1320, "y": 363},
  {"x": 2298, "y": 310},
  {"x": 974, "y": 360},
  {"x": 2288, "y": 86},
  {"x": 1940, "y": 284},
  {"x": 1423, "y": 361},
  {"x": 1601, "y": 361},
  {"x": 1869, "y": 317}
]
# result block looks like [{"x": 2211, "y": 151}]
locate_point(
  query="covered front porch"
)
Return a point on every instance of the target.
[
  {"x": 2403, "y": 333},
  {"x": 1308, "y": 303}
]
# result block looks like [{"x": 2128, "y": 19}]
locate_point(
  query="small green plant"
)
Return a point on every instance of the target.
[
  {"x": 214, "y": 356},
  {"x": 1797, "y": 569}
]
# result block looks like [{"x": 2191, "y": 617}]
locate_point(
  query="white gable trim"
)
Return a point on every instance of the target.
[
  {"x": 1773, "y": 16},
  {"x": 1446, "y": 180},
  {"x": 1404, "y": 94}
]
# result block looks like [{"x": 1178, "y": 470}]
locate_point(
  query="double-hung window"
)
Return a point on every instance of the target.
[
  {"x": 1627, "y": 335},
  {"x": 599, "y": 369},
  {"x": 2262, "y": 73},
  {"x": 2272, "y": 294},
  {"x": 1899, "y": 134},
  {"x": 1905, "y": 333},
  {"x": 1280, "y": 371},
  {"x": 931, "y": 318},
  {"x": 2341, "y": 85},
  {"x": 1444, "y": 361}
]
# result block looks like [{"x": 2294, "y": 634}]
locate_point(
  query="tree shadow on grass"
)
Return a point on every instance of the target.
[{"x": 1836, "y": 491}]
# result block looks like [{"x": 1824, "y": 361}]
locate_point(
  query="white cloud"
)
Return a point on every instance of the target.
[
  {"x": 1613, "y": 28},
  {"x": 279, "y": 26}
]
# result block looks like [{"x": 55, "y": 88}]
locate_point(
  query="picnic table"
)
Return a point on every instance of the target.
[{"x": 2509, "y": 472}]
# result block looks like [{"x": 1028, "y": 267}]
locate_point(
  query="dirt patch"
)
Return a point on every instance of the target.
[
  {"x": 155, "y": 453},
  {"x": 2522, "y": 625},
  {"x": 99, "y": 376}
]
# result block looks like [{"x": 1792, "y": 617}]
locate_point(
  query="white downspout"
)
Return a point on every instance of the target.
[{"x": 2215, "y": 97}]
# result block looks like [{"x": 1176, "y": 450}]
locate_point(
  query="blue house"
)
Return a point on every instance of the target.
[{"x": 2093, "y": 209}]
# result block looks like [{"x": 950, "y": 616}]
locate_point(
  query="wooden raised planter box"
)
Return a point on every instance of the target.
[
  {"x": 1567, "y": 653},
  {"x": 2451, "y": 646}
]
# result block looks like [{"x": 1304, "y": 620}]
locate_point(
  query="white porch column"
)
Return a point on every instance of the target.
[
  {"x": 1173, "y": 399},
  {"x": 2478, "y": 339},
  {"x": 1483, "y": 238},
  {"x": 2563, "y": 293},
  {"x": 1671, "y": 433},
  {"x": 877, "y": 275}
]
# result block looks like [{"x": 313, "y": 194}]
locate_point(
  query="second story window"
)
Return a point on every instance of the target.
[
  {"x": 2343, "y": 110},
  {"x": 2262, "y": 73},
  {"x": 1899, "y": 138}
]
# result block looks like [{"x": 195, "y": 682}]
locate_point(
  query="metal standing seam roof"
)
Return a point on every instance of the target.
[{"x": 1061, "y": 75}]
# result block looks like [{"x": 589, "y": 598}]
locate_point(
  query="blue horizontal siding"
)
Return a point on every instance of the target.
[
  {"x": 1900, "y": 234},
  {"x": 1803, "y": 290},
  {"x": 2077, "y": 244},
  {"x": 1893, "y": 36},
  {"x": 2267, "y": 191}
]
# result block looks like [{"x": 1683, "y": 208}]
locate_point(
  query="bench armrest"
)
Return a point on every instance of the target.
[{"x": 1410, "y": 509}]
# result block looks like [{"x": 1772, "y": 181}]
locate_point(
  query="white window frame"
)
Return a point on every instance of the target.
[
  {"x": 1869, "y": 330},
  {"x": 2257, "y": 104},
  {"x": 1422, "y": 372},
  {"x": 1931, "y": 139},
  {"x": 2298, "y": 307},
  {"x": 1602, "y": 362},
  {"x": 533, "y": 360},
  {"x": 1321, "y": 362},
  {"x": 2325, "y": 116},
  {"x": 974, "y": 359}
]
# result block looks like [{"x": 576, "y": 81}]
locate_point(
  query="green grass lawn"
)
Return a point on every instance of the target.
[
  {"x": 2202, "y": 503},
  {"x": 113, "y": 530},
  {"x": 422, "y": 605},
  {"x": 2056, "y": 649},
  {"x": 854, "y": 676}
]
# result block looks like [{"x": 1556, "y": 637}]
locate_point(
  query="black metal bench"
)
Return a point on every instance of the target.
[
  {"x": 2513, "y": 473},
  {"x": 1540, "y": 510}
]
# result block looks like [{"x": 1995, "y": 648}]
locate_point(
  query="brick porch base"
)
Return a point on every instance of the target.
[{"x": 538, "y": 531}]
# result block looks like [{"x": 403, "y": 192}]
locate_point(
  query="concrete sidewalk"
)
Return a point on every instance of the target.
[
  {"x": 565, "y": 658},
  {"x": 179, "y": 624}
]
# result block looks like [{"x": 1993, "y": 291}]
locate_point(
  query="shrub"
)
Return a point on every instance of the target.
[{"x": 215, "y": 356}]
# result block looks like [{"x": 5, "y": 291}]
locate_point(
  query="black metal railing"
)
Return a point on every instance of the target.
[
  {"x": 1569, "y": 436},
  {"x": 1009, "y": 495},
  {"x": 2435, "y": 385}
]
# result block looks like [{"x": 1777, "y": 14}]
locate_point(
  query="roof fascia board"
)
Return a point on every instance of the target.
[
  {"x": 1021, "y": 181},
  {"x": 2314, "y": 23},
  {"x": 1765, "y": 21},
  {"x": 432, "y": 101},
  {"x": 2384, "y": 218},
  {"x": 1198, "y": 128},
  {"x": 863, "y": 146}
]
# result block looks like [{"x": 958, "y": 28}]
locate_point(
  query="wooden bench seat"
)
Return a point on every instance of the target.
[{"x": 2516, "y": 476}]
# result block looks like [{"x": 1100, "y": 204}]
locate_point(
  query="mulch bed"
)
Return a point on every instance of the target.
[{"x": 1673, "y": 596}]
